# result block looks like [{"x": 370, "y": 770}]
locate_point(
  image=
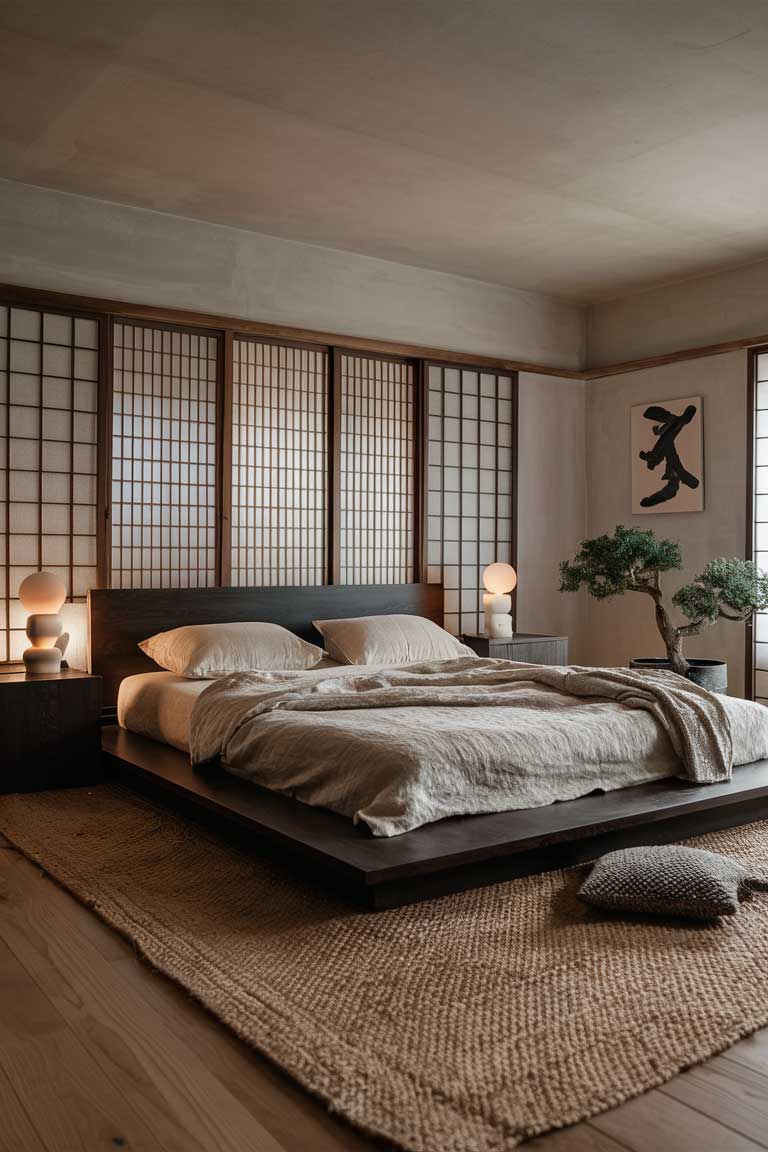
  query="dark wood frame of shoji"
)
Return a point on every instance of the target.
[
  {"x": 336, "y": 354},
  {"x": 107, "y": 312},
  {"x": 480, "y": 369},
  {"x": 75, "y": 309},
  {"x": 227, "y": 434},
  {"x": 752, "y": 494},
  {"x": 181, "y": 329}
]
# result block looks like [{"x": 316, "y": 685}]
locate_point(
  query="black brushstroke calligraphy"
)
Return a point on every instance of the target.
[{"x": 666, "y": 429}]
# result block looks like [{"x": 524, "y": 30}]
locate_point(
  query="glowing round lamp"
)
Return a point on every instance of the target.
[
  {"x": 499, "y": 581},
  {"x": 42, "y": 594}
]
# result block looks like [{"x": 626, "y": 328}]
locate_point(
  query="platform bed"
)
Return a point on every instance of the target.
[{"x": 448, "y": 856}]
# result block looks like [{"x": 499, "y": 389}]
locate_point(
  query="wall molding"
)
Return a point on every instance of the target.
[{"x": 599, "y": 373}]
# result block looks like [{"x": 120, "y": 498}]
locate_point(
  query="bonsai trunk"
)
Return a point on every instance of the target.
[{"x": 672, "y": 639}]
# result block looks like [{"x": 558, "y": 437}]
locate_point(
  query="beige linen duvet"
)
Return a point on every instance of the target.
[{"x": 399, "y": 748}]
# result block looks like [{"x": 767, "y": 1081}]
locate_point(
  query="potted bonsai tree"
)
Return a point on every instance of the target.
[{"x": 632, "y": 560}]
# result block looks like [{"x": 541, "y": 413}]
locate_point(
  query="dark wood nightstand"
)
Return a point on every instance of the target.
[
  {"x": 49, "y": 730},
  {"x": 523, "y": 646}
]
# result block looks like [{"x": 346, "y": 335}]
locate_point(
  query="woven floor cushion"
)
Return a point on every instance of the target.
[{"x": 669, "y": 880}]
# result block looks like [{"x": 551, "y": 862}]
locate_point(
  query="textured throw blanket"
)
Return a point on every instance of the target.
[{"x": 401, "y": 747}]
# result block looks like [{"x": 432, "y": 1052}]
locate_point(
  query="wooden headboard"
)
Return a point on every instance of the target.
[{"x": 120, "y": 618}]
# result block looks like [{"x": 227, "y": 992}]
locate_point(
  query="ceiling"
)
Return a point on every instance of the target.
[{"x": 583, "y": 148}]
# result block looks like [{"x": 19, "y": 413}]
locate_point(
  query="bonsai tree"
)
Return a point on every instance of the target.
[{"x": 632, "y": 560}]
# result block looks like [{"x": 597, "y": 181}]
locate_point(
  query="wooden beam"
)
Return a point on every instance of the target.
[
  {"x": 333, "y": 500},
  {"x": 224, "y": 459},
  {"x": 104, "y": 455}
]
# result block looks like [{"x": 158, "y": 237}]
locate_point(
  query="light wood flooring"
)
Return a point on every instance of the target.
[{"x": 98, "y": 1052}]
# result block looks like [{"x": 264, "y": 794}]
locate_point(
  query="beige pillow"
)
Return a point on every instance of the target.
[
  {"x": 209, "y": 651},
  {"x": 388, "y": 640}
]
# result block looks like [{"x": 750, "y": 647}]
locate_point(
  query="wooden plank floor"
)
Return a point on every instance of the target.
[{"x": 98, "y": 1052}]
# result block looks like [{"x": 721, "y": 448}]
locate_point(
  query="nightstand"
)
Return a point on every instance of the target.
[
  {"x": 523, "y": 646},
  {"x": 49, "y": 730}
]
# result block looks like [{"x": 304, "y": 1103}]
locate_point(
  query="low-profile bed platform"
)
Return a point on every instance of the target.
[{"x": 446, "y": 856}]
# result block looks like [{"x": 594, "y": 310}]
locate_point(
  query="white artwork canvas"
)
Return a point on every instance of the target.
[{"x": 668, "y": 456}]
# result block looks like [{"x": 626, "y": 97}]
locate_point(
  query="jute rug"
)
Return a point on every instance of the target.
[{"x": 461, "y": 1025}]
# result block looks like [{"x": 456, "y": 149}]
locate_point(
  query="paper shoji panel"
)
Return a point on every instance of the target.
[
  {"x": 163, "y": 457},
  {"x": 376, "y": 471},
  {"x": 760, "y": 522},
  {"x": 49, "y": 366},
  {"x": 470, "y": 486},
  {"x": 279, "y": 464}
]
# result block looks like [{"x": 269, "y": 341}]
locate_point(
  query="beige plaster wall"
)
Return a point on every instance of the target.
[
  {"x": 619, "y": 629},
  {"x": 552, "y": 504},
  {"x": 70, "y": 243},
  {"x": 76, "y": 244},
  {"x": 727, "y": 306}
]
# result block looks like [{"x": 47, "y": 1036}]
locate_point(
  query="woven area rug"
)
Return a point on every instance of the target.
[{"x": 461, "y": 1025}]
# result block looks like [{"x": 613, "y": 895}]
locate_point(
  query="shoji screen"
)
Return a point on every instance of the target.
[
  {"x": 163, "y": 457},
  {"x": 470, "y": 485},
  {"x": 279, "y": 464},
  {"x": 760, "y": 520},
  {"x": 376, "y": 400},
  {"x": 49, "y": 365}
]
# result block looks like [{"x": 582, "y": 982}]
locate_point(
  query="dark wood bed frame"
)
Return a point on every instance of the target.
[{"x": 448, "y": 856}]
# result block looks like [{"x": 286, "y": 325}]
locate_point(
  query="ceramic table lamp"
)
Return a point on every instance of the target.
[
  {"x": 499, "y": 581},
  {"x": 42, "y": 594}
]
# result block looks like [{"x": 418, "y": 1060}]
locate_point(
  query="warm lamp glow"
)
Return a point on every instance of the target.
[
  {"x": 42, "y": 592},
  {"x": 74, "y": 638},
  {"x": 499, "y": 579}
]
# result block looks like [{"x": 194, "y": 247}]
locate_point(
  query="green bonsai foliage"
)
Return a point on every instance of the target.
[
  {"x": 631, "y": 560},
  {"x": 730, "y": 589},
  {"x": 611, "y": 565}
]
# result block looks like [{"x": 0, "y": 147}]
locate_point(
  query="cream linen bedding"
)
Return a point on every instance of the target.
[
  {"x": 159, "y": 704},
  {"x": 397, "y": 749}
]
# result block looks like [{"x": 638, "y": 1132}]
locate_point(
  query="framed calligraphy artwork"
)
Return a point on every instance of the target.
[{"x": 668, "y": 456}]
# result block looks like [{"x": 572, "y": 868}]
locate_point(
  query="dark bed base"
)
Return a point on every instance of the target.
[{"x": 448, "y": 856}]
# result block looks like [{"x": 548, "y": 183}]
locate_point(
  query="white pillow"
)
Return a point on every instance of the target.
[
  {"x": 209, "y": 651},
  {"x": 388, "y": 640}
]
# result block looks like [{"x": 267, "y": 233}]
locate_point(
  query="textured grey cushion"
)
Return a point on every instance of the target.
[{"x": 669, "y": 880}]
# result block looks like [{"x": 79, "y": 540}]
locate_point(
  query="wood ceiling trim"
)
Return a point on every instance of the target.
[{"x": 597, "y": 373}]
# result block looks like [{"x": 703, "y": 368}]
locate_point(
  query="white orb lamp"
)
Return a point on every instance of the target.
[
  {"x": 42, "y": 594},
  {"x": 499, "y": 581}
]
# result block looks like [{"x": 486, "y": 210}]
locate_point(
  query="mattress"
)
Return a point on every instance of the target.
[{"x": 159, "y": 704}]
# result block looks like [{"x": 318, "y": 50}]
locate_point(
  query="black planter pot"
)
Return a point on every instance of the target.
[{"x": 710, "y": 674}]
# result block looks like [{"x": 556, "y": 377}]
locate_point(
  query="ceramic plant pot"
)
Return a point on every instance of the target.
[{"x": 710, "y": 674}]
